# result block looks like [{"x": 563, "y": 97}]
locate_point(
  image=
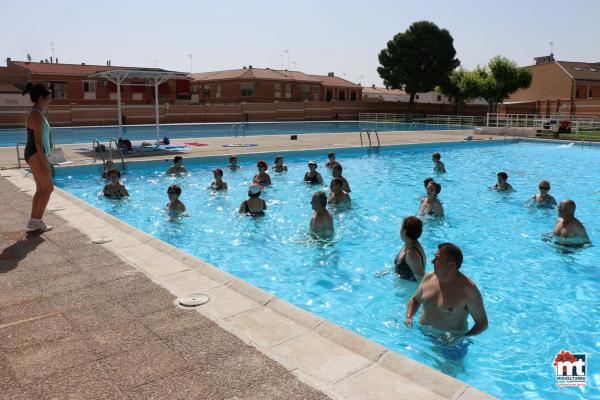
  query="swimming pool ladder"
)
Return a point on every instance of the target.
[
  {"x": 118, "y": 149},
  {"x": 368, "y": 132},
  {"x": 236, "y": 128},
  {"x": 96, "y": 148},
  {"x": 19, "y": 158}
]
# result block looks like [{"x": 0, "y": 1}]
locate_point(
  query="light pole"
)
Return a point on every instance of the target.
[
  {"x": 191, "y": 64},
  {"x": 294, "y": 64},
  {"x": 281, "y": 56},
  {"x": 288, "y": 57}
]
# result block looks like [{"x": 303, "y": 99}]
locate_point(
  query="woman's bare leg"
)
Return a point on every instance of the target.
[{"x": 44, "y": 186}]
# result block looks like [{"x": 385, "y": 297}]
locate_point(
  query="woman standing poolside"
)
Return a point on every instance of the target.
[{"x": 36, "y": 154}]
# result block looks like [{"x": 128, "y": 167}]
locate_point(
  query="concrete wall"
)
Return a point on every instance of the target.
[
  {"x": 549, "y": 81},
  {"x": 73, "y": 115}
]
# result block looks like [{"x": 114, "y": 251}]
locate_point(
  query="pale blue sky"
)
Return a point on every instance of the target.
[{"x": 321, "y": 36}]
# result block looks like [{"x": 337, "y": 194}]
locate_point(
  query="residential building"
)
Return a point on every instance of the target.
[
  {"x": 432, "y": 97},
  {"x": 10, "y": 95},
  {"x": 265, "y": 85},
  {"x": 71, "y": 84}
]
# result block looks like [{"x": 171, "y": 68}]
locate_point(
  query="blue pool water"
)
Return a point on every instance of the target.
[
  {"x": 9, "y": 137},
  {"x": 539, "y": 300}
]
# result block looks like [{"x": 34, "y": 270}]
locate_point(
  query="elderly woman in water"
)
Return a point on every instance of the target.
[
  {"x": 431, "y": 205},
  {"x": 543, "y": 198},
  {"x": 262, "y": 178}
]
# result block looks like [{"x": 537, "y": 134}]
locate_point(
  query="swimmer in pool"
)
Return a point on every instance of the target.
[
  {"x": 177, "y": 167},
  {"x": 321, "y": 221},
  {"x": 431, "y": 205},
  {"x": 410, "y": 261},
  {"x": 336, "y": 172},
  {"x": 312, "y": 176},
  {"x": 174, "y": 204},
  {"x": 543, "y": 198},
  {"x": 218, "y": 183},
  {"x": 254, "y": 205},
  {"x": 567, "y": 226},
  {"x": 438, "y": 166},
  {"x": 448, "y": 297},
  {"x": 114, "y": 189},
  {"x": 262, "y": 178},
  {"x": 233, "y": 163},
  {"x": 338, "y": 196},
  {"x": 279, "y": 167},
  {"x": 330, "y": 160},
  {"x": 425, "y": 183},
  {"x": 502, "y": 185}
]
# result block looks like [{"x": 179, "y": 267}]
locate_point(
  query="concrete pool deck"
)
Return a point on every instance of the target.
[
  {"x": 266, "y": 143},
  {"x": 138, "y": 343}
]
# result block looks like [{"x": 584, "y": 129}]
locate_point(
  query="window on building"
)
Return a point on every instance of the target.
[
  {"x": 353, "y": 95},
  {"x": 439, "y": 97},
  {"x": 278, "y": 90},
  {"x": 218, "y": 93},
  {"x": 305, "y": 92},
  {"x": 206, "y": 91},
  {"x": 416, "y": 97},
  {"x": 316, "y": 93},
  {"x": 60, "y": 90},
  {"x": 194, "y": 89},
  {"x": 288, "y": 90},
  {"x": 342, "y": 95},
  {"x": 137, "y": 96},
  {"x": 89, "y": 87},
  {"x": 247, "y": 89},
  {"x": 590, "y": 93},
  {"x": 576, "y": 92},
  {"x": 329, "y": 95}
]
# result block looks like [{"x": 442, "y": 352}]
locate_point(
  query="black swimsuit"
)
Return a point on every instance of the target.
[
  {"x": 403, "y": 269},
  {"x": 254, "y": 213},
  {"x": 313, "y": 180}
]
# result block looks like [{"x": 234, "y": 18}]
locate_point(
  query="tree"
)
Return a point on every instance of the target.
[
  {"x": 418, "y": 59},
  {"x": 500, "y": 78},
  {"x": 462, "y": 85}
]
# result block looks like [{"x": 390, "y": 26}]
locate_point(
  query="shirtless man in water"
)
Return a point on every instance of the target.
[
  {"x": 448, "y": 296},
  {"x": 567, "y": 226},
  {"x": 321, "y": 221}
]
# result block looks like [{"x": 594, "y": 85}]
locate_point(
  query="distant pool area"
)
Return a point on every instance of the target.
[
  {"x": 532, "y": 315},
  {"x": 85, "y": 135}
]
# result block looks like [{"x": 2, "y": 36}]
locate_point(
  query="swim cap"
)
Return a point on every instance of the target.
[
  {"x": 263, "y": 164},
  {"x": 218, "y": 171},
  {"x": 312, "y": 162},
  {"x": 254, "y": 189}
]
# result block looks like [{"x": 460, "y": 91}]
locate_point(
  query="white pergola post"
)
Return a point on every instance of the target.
[
  {"x": 119, "y": 111},
  {"x": 156, "y": 109}
]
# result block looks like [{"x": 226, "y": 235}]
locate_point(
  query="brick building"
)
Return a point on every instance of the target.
[
  {"x": 265, "y": 85},
  {"x": 71, "y": 84},
  {"x": 561, "y": 80}
]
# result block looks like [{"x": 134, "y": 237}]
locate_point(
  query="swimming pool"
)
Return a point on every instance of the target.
[
  {"x": 539, "y": 300},
  {"x": 9, "y": 137}
]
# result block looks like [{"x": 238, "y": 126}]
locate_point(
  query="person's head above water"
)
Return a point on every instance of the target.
[
  {"x": 114, "y": 175},
  {"x": 218, "y": 173},
  {"x": 174, "y": 191},
  {"x": 434, "y": 188},
  {"x": 232, "y": 159},
  {"x": 318, "y": 201},
  {"x": 566, "y": 209},
  {"x": 262, "y": 164},
  {"x": 108, "y": 165},
  {"x": 38, "y": 93},
  {"x": 336, "y": 170},
  {"x": 544, "y": 186},
  {"x": 254, "y": 191},
  {"x": 312, "y": 165},
  {"x": 331, "y": 156},
  {"x": 502, "y": 176},
  {"x": 278, "y": 160},
  {"x": 448, "y": 256},
  {"x": 412, "y": 228},
  {"x": 426, "y": 182},
  {"x": 436, "y": 156},
  {"x": 336, "y": 185},
  {"x": 177, "y": 160}
]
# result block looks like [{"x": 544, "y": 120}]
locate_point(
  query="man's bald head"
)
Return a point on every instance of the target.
[{"x": 566, "y": 208}]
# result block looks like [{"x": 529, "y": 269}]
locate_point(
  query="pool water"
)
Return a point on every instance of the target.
[
  {"x": 539, "y": 299},
  {"x": 85, "y": 135}
]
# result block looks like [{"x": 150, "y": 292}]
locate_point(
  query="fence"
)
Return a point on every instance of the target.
[
  {"x": 80, "y": 115},
  {"x": 584, "y": 127},
  {"x": 448, "y": 120}
]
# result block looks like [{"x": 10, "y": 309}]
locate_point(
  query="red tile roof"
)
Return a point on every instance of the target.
[
  {"x": 68, "y": 69},
  {"x": 272, "y": 74},
  {"x": 335, "y": 81},
  {"x": 581, "y": 70}
]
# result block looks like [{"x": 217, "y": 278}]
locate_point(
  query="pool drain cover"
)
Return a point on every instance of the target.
[{"x": 193, "y": 300}]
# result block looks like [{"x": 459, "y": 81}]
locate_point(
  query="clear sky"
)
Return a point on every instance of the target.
[{"x": 320, "y": 36}]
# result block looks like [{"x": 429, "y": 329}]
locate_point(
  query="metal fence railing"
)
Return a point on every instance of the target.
[{"x": 449, "y": 120}]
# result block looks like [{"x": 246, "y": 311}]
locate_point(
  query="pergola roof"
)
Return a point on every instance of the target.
[{"x": 139, "y": 73}]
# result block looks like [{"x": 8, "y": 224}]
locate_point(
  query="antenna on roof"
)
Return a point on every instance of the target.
[
  {"x": 551, "y": 48},
  {"x": 51, "y": 48},
  {"x": 28, "y": 57}
]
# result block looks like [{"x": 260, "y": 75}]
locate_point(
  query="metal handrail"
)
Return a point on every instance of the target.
[
  {"x": 119, "y": 150},
  {"x": 96, "y": 147},
  {"x": 377, "y": 136},
  {"x": 368, "y": 132},
  {"x": 19, "y": 159}
]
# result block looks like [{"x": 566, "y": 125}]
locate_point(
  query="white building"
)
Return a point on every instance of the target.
[
  {"x": 433, "y": 97},
  {"x": 10, "y": 95}
]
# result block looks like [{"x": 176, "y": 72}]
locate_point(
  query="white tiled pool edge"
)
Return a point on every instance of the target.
[{"x": 336, "y": 361}]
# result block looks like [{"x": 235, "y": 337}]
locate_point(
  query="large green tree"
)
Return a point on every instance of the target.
[
  {"x": 500, "y": 78},
  {"x": 462, "y": 85},
  {"x": 418, "y": 59}
]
